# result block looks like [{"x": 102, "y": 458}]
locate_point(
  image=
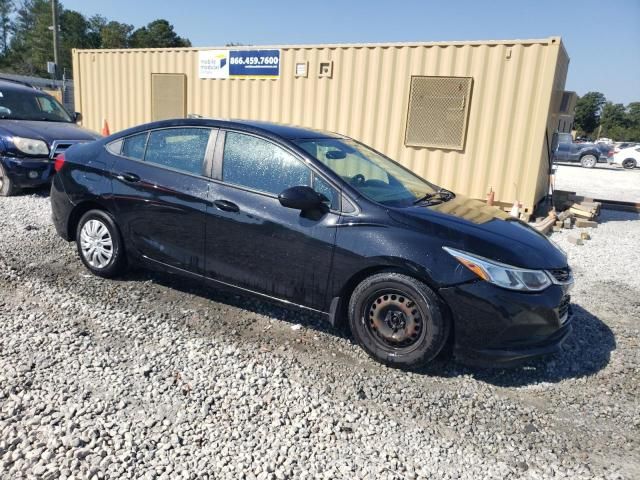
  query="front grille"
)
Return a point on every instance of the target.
[
  {"x": 562, "y": 275},
  {"x": 59, "y": 146},
  {"x": 563, "y": 309}
]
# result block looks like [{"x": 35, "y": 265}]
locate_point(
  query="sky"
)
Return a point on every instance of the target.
[{"x": 602, "y": 38}]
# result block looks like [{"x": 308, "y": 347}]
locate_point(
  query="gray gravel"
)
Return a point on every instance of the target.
[
  {"x": 155, "y": 377},
  {"x": 607, "y": 182}
]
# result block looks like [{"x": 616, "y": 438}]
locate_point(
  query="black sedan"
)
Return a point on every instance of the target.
[{"x": 322, "y": 222}]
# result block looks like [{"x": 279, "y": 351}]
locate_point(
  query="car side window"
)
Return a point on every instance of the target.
[
  {"x": 258, "y": 164},
  {"x": 180, "y": 148},
  {"x": 323, "y": 187},
  {"x": 133, "y": 146}
]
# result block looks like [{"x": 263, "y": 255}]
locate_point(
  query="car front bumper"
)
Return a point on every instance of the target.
[
  {"x": 28, "y": 172},
  {"x": 494, "y": 327}
]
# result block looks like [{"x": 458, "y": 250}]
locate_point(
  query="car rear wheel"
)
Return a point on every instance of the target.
[
  {"x": 629, "y": 163},
  {"x": 588, "y": 161},
  {"x": 398, "y": 320},
  {"x": 99, "y": 244},
  {"x": 7, "y": 187}
]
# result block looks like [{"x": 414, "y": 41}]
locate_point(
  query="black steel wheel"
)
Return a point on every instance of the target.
[{"x": 398, "y": 320}]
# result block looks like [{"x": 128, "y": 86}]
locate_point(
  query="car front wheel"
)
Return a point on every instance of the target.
[
  {"x": 7, "y": 188},
  {"x": 588, "y": 161},
  {"x": 100, "y": 245},
  {"x": 629, "y": 163},
  {"x": 398, "y": 320}
]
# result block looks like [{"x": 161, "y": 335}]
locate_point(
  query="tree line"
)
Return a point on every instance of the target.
[
  {"x": 597, "y": 117},
  {"x": 26, "y": 36}
]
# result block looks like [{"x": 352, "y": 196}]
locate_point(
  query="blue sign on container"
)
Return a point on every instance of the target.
[{"x": 254, "y": 63}]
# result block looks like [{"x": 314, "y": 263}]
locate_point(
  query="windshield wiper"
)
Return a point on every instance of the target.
[{"x": 442, "y": 194}]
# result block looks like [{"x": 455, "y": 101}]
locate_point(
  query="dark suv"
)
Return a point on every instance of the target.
[
  {"x": 34, "y": 128},
  {"x": 322, "y": 222}
]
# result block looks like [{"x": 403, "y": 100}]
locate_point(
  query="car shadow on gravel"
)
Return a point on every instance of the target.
[
  {"x": 42, "y": 192},
  {"x": 586, "y": 351},
  {"x": 607, "y": 215},
  {"x": 247, "y": 303}
]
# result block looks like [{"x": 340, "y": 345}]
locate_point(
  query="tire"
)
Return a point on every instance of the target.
[
  {"x": 588, "y": 161},
  {"x": 7, "y": 187},
  {"x": 100, "y": 244},
  {"x": 398, "y": 320},
  {"x": 629, "y": 163}
]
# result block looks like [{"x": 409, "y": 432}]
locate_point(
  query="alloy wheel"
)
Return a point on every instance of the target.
[{"x": 96, "y": 243}]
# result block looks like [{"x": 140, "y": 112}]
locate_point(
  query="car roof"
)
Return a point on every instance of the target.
[
  {"x": 268, "y": 129},
  {"x": 289, "y": 132},
  {"x": 6, "y": 84}
]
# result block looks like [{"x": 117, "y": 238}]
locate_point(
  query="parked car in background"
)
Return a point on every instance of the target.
[
  {"x": 322, "y": 222},
  {"x": 34, "y": 127},
  {"x": 587, "y": 154},
  {"x": 628, "y": 157},
  {"x": 622, "y": 145}
]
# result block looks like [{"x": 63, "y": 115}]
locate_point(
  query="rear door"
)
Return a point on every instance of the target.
[
  {"x": 254, "y": 242},
  {"x": 565, "y": 143},
  {"x": 160, "y": 193}
]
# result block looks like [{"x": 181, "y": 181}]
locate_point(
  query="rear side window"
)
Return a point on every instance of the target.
[
  {"x": 180, "y": 148},
  {"x": 261, "y": 165},
  {"x": 133, "y": 147}
]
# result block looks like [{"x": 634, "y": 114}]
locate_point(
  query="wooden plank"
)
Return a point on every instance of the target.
[
  {"x": 581, "y": 213},
  {"x": 586, "y": 224}
]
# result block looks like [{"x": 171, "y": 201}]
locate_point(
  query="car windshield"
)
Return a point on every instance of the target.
[
  {"x": 372, "y": 174},
  {"x": 27, "y": 105}
]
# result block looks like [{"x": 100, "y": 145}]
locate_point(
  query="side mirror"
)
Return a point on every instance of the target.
[
  {"x": 77, "y": 117},
  {"x": 301, "y": 198}
]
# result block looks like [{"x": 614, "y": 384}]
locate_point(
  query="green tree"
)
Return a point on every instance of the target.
[
  {"x": 157, "y": 34},
  {"x": 621, "y": 123},
  {"x": 96, "y": 24},
  {"x": 633, "y": 113},
  {"x": 75, "y": 32},
  {"x": 6, "y": 9},
  {"x": 115, "y": 35},
  {"x": 31, "y": 45},
  {"x": 588, "y": 109},
  {"x": 613, "y": 115}
]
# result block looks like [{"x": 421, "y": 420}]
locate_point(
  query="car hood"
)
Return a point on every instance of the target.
[
  {"x": 47, "y": 131},
  {"x": 477, "y": 228}
]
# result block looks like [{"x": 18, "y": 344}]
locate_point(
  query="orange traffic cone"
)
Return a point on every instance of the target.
[{"x": 105, "y": 129}]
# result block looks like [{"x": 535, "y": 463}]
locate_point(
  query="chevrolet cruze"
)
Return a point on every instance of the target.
[{"x": 321, "y": 222}]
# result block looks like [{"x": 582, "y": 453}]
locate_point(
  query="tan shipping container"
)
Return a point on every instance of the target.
[{"x": 468, "y": 116}]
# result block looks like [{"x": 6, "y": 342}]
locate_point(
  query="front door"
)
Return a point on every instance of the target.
[
  {"x": 255, "y": 243},
  {"x": 160, "y": 193}
]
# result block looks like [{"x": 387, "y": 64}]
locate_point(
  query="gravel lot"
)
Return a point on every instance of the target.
[
  {"x": 154, "y": 377},
  {"x": 608, "y": 182}
]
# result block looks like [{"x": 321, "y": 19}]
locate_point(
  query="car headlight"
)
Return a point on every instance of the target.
[
  {"x": 502, "y": 275},
  {"x": 31, "y": 146}
]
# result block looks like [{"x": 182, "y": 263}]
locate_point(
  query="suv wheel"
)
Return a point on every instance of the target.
[
  {"x": 588, "y": 161},
  {"x": 629, "y": 163},
  {"x": 398, "y": 320},
  {"x": 99, "y": 244},
  {"x": 7, "y": 188}
]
